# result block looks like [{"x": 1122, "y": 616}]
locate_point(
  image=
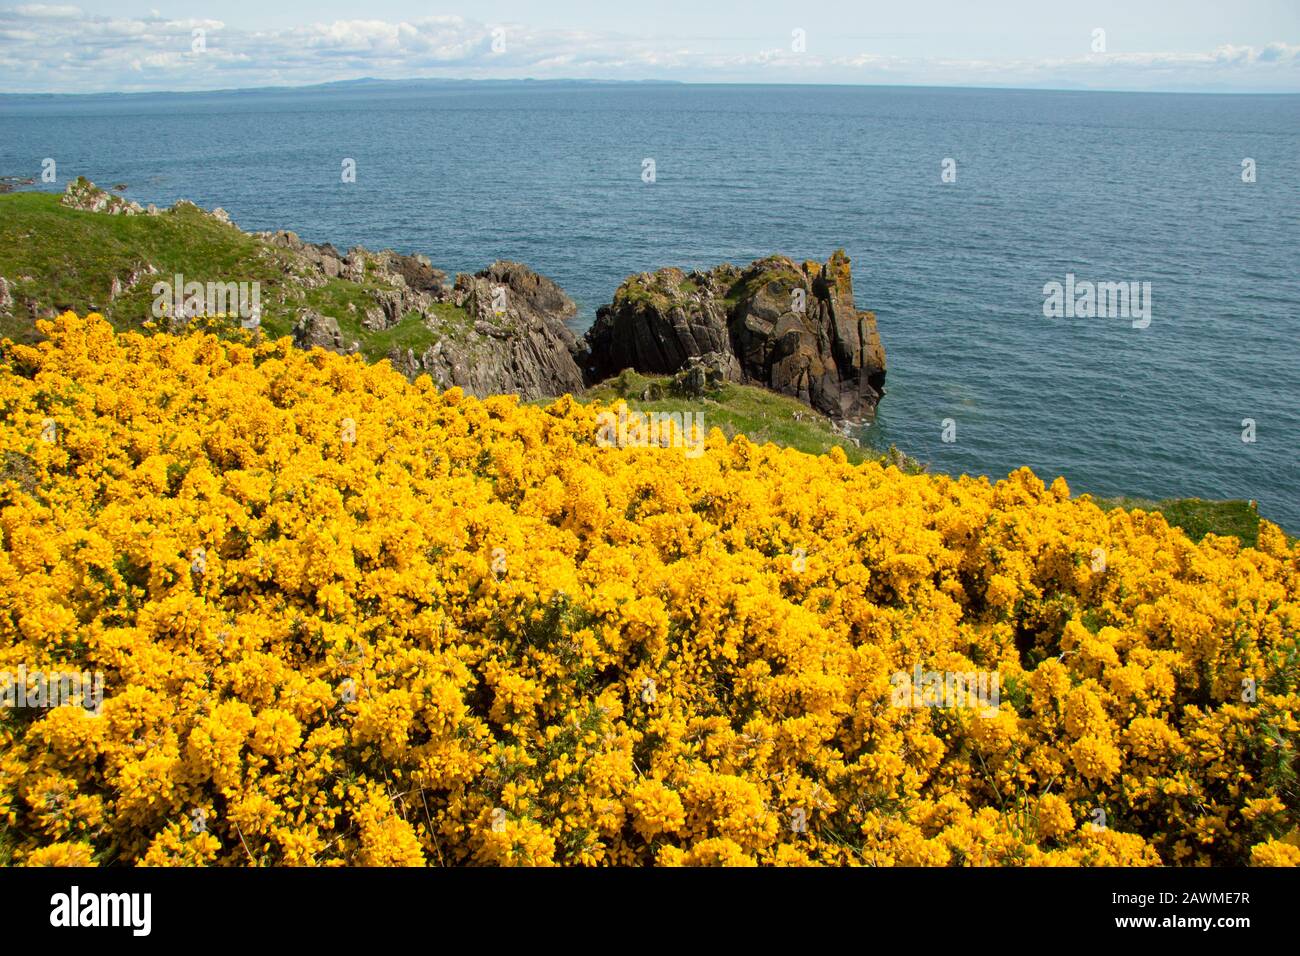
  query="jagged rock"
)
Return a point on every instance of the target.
[
  {"x": 314, "y": 264},
  {"x": 518, "y": 342},
  {"x": 657, "y": 321},
  {"x": 284, "y": 238},
  {"x": 530, "y": 292},
  {"x": 220, "y": 214},
  {"x": 314, "y": 329},
  {"x": 375, "y": 319},
  {"x": 791, "y": 328},
  {"x": 415, "y": 272},
  {"x": 393, "y": 303},
  {"x": 6, "y": 297},
  {"x": 355, "y": 264}
]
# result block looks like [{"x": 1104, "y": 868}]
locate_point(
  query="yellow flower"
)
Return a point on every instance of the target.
[
  {"x": 61, "y": 854},
  {"x": 344, "y": 619}
]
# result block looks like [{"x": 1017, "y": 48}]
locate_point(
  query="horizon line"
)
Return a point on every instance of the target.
[{"x": 648, "y": 81}]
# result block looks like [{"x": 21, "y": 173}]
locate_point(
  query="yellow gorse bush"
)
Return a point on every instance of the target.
[{"x": 343, "y": 619}]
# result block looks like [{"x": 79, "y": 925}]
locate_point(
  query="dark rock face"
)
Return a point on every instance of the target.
[
  {"x": 529, "y": 292},
  {"x": 657, "y": 322},
  {"x": 418, "y": 273},
  {"x": 791, "y": 328}
]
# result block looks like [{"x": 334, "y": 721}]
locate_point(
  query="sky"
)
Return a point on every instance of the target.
[{"x": 1228, "y": 46}]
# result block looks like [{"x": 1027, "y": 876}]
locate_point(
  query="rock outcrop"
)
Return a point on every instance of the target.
[
  {"x": 518, "y": 340},
  {"x": 791, "y": 328},
  {"x": 82, "y": 194},
  {"x": 499, "y": 331},
  {"x": 120, "y": 286},
  {"x": 314, "y": 330}
]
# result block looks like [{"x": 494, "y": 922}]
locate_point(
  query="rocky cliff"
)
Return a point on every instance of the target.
[
  {"x": 498, "y": 331},
  {"x": 518, "y": 343},
  {"x": 791, "y": 328},
  {"x": 511, "y": 339}
]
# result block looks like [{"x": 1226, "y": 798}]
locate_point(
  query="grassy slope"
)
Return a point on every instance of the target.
[
  {"x": 760, "y": 415},
  {"x": 72, "y": 258}
]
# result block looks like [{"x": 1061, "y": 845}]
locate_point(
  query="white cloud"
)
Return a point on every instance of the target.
[
  {"x": 55, "y": 48},
  {"x": 41, "y": 11}
]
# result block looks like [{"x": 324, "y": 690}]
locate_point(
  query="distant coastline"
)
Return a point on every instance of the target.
[{"x": 382, "y": 85}]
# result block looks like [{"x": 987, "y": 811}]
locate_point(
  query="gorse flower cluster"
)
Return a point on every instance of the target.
[{"x": 343, "y": 619}]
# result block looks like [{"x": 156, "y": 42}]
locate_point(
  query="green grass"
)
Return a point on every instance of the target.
[
  {"x": 70, "y": 258},
  {"x": 634, "y": 290},
  {"x": 1198, "y": 517},
  {"x": 759, "y": 415}
]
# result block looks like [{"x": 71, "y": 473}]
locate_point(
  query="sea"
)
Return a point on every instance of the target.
[{"x": 958, "y": 207}]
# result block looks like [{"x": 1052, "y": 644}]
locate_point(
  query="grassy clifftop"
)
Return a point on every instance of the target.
[{"x": 60, "y": 258}]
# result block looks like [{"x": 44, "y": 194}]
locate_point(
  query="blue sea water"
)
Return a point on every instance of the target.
[{"x": 1108, "y": 186}]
